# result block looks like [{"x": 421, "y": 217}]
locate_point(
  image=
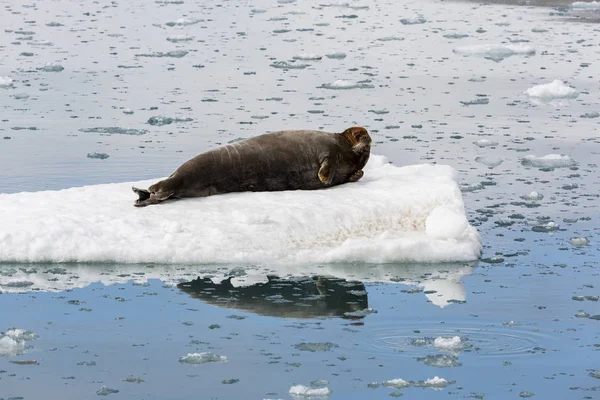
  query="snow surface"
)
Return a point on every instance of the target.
[
  {"x": 393, "y": 214},
  {"x": 554, "y": 90}
]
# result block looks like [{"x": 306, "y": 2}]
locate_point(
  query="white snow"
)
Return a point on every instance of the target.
[
  {"x": 549, "y": 161},
  {"x": 495, "y": 51},
  {"x": 303, "y": 391},
  {"x": 381, "y": 218},
  {"x": 397, "y": 383},
  {"x": 554, "y": 90},
  {"x": 585, "y": 5},
  {"x": 5, "y": 82},
  {"x": 448, "y": 343}
]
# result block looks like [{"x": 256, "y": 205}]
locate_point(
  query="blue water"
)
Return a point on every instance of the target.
[{"x": 521, "y": 312}]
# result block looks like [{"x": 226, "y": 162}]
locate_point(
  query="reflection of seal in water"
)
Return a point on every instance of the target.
[
  {"x": 287, "y": 160},
  {"x": 298, "y": 297}
]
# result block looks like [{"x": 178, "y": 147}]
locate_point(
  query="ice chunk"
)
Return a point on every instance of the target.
[
  {"x": 5, "y": 82},
  {"x": 49, "y": 67},
  {"x": 549, "y": 161},
  {"x": 579, "y": 241},
  {"x": 485, "y": 143},
  {"x": 491, "y": 162},
  {"x": 308, "y": 57},
  {"x": 341, "y": 84},
  {"x": 448, "y": 343},
  {"x": 495, "y": 52},
  {"x": 12, "y": 342},
  {"x": 303, "y": 391},
  {"x": 388, "y": 224},
  {"x": 414, "y": 20},
  {"x": 554, "y": 90},
  {"x": 397, "y": 383},
  {"x": 201, "y": 358},
  {"x": 183, "y": 22},
  {"x": 180, "y": 38}
]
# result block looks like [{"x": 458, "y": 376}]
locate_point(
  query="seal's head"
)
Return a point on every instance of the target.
[{"x": 359, "y": 139}]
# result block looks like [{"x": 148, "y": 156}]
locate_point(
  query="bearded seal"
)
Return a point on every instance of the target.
[{"x": 286, "y": 160}]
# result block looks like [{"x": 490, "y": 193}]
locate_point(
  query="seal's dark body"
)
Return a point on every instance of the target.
[{"x": 287, "y": 160}]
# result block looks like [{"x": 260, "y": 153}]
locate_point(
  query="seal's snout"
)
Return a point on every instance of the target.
[{"x": 359, "y": 139}]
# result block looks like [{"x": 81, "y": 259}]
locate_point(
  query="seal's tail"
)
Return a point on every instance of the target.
[{"x": 143, "y": 193}]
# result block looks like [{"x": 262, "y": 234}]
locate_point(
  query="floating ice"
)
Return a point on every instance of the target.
[
  {"x": 201, "y": 358},
  {"x": 448, "y": 343},
  {"x": 485, "y": 143},
  {"x": 584, "y": 5},
  {"x": 287, "y": 65},
  {"x": 414, "y": 20},
  {"x": 315, "y": 347},
  {"x": 549, "y": 161},
  {"x": 440, "y": 361},
  {"x": 491, "y": 162},
  {"x": 183, "y": 22},
  {"x": 12, "y": 342},
  {"x": 495, "y": 52},
  {"x": 99, "y": 156},
  {"x": 554, "y": 90},
  {"x": 105, "y": 391},
  {"x": 115, "y": 130},
  {"x": 160, "y": 120},
  {"x": 433, "y": 383},
  {"x": 336, "y": 56},
  {"x": 49, "y": 67},
  {"x": 381, "y": 218},
  {"x": 390, "y": 38},
  {"x": 579, "y": 241},
  {"x": 303, "y": 391},
  {"x": 533, "y": 196},
  {"x": 180, "y": 38},
  {"x": 341, "y": 84},
  {"x": 5, "y": 82},
  {"x": 172, "y": 54},
  {"x": 308, "y": 57}
]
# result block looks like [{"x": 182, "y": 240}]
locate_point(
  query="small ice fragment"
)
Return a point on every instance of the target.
[
  {"x": 10, "y": 347},
  {"x": 115, "y": 130},
  {"x": 480, "y": 101},
  {"x": 286, "y": 65},
  {"x": 549, "y": 161},
  {"x": 532, "y": 196},
  {"x": 414, "y": 20},
  {"x": 303, "y": 391},
  {"x": 590, "y": 115},
  {"x": 360, "y": 313},
  {"x": 390, "y": 38},
  {"x": 179, "y": 38},
  {"x": 440, "y": 361},
  {"x": 320, "y": 383},
  {"x": 105, "y": 391},
  {"x": 49, "y": 67},
  {"x": 183, "y": 22},
  {"x": 397, "y": 383},
  {"x": 444, "y": 223},
  {"x": 436, "y": 383},
  {"x": 5, "y": 82},
  {"x": 525, "y": 394},
  {"x": 579, "y": 241},
  {"x": 308, "y": 57},
  {"x": 201, "y": 358},
  {"x": 314, "y": 347},
  {"x": 448, "y": 343},
  {"x": 53, "y": 24},
  {"x": 485, "y": 143},
  {"x": 341, "y": 84},
  {"x": 98, "y": 156},
  {"x": 495, "y": 52},
  {"x": 336, "y": 56},
  {"x": 554, "y": 90},
  {"x": 491, "y": 162}
]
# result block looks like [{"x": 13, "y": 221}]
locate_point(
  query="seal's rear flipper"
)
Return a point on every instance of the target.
[{"x": 144, "y": 194}]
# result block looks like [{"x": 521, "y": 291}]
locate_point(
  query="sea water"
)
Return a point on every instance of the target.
[{"x": 464, "y": 264}]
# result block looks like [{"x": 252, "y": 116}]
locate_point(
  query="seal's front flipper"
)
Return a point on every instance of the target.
[
  {"x": 356, "y": 176},
  {"x": 327, "y": 171},
  {"x": 143, "y": 193}
]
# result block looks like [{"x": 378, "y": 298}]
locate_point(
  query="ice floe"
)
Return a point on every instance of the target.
[
  {"x": 394, "y": 214},
  {"x": 495, "y": 52},
  {"x": 549, "y": 161},
  {"x": 553, "y": 90},
  {"x": 303, "y": 391},
  {"x": 585, "y": 5}
]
